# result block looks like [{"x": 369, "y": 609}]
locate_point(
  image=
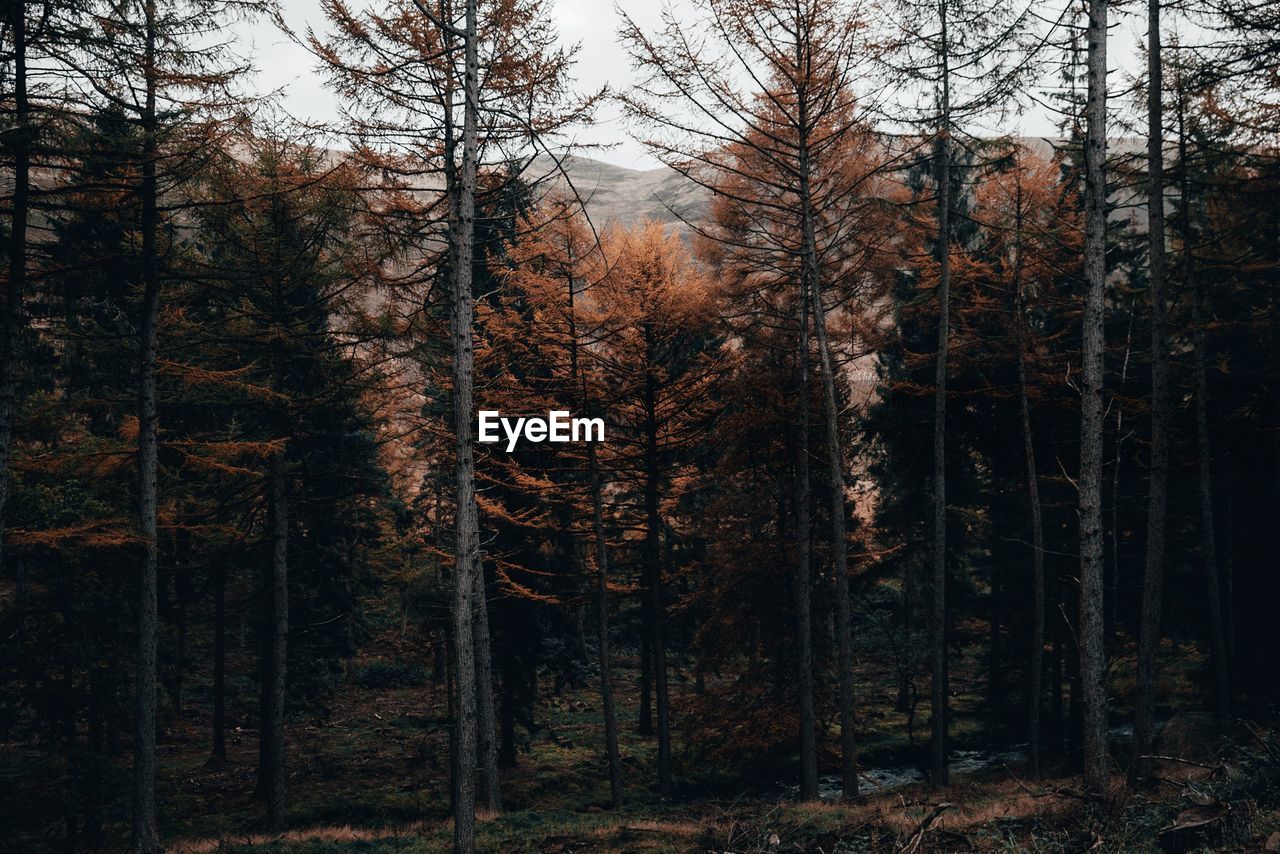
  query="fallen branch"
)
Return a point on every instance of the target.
[
  {"x": 1181, "y": 760},
  {"x": 926, "y": 824}
]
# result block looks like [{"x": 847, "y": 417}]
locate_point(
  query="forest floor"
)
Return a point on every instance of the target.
[{"x": 372, "y": 776}]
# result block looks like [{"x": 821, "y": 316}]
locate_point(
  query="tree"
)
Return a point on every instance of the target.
[
  {"x": 1030, "y": 225},
  {"x": 1158, "y": 497},
  {"x": 286, "y": 257},
  {"x": 152, "y": 59},
  {"x": 1091, "y": 631},
  {"x": 966, "y": 60},
  {"x": 658, "y": 351},
  {"x": 402, "y": 74},
  {"x": 543, "y": 337},
  {"x": 797, "y": 118},
  {"x": 1187, "y": 234}
]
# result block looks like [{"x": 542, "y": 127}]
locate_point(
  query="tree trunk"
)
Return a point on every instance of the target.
[
  {"x": 467, "y": 573},
  {"x": 145, "y": 834},
  {"x": 1056, "y": 716},
  {"x": 1204, "y": 452},
  {"x": 13, "y": 320},
  {"x": 602, "y": 630},
  {"x": 490, "y": 794},
  {"x": 1035, "y": 652},
  {"x": 804, "y": 620},
  {"x": 653, "y": 568},
  {"x": 995, "y": 656},
  {"x": 507, "y": 720},
  {"x": 602, "y": 575},
  {"x": 182, "y": 594},
  {"x": 580, "y": 623},
  {"x": 1113, "y": 583},
  {"x": 1158, "y": 496},
  {"x": 274, "y": 725},
  {"x": 1093, "y": 666},
  {"x": 905, "y": 675},
  {"x": 939, "y": 771},
  {"x": 644, "y": 721},
  {"x": 219, "y": 752},
  {"x": 839, "y": 539}
]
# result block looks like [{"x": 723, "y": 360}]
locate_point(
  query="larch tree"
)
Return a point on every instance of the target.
[
  {"x": 161, "y": 63},
  {"x": 1031, "y": 224},
  {"x": 553, "y": 268},
  {"x": 434, "y": 94},
  {"x": 962, "y": 62},
  {"x": 1188, "y": 229},
  {"x": 758, "y": 106},
  {"x": 287, "y": 257},
  {"x": 1158, "y": 482},
  {"x": 658, "y": 352},
  {"x": 19, "y": 138},
  {"x": 1091, "y": 631}
]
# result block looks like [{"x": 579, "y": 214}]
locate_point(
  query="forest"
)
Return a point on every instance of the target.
[{"x": 932, "y": 506}]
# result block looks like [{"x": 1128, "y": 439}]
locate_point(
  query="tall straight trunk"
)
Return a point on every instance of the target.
[
  {"x": 273, "y": 726},
  {"x": 653, "y": 568},
  {"x": 145, "y": 836},
  {"x": 905, "y": 675},
  {"x": 1056, "y": 717},
  {"x": 467, "y": 573},
  {"x": 490, "y": 794},
  {"x": 804, "y": 618},
  {"x": 507, "y": 718},
  {"x": 811, "y": 286},
  {"x": 1158, "y": 494},
  {"x": 13, "y": 318},
  {"x": 939, "y": 772},
  {"x": 644, "y": 719},
  {"x": 602, "y": 575},
  {"x": 839, "y": 543},
  {"x": 1113, "y": 583},
  {"x": 602, "y": 630},
  {"x": 1204, "y": 452},
  {"x": 1035, "y": 651},
  {"x": 1091, "y": 641},
  {"x": 995, "y": 654},
  {"x": 182, "y": 595},
  {"x": 219, "y": 752}
]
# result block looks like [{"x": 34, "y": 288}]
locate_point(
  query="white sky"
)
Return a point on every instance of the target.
[{"x": 592, "y": 24}]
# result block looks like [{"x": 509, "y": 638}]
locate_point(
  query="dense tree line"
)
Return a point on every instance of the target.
[{"x": 914, "y": 408}]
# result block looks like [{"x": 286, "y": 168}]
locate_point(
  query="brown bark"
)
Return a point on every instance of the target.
[{"x": 1091, "y": 630}]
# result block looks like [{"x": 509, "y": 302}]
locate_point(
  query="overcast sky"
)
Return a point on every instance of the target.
[{"x": 592, "y": 24}]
